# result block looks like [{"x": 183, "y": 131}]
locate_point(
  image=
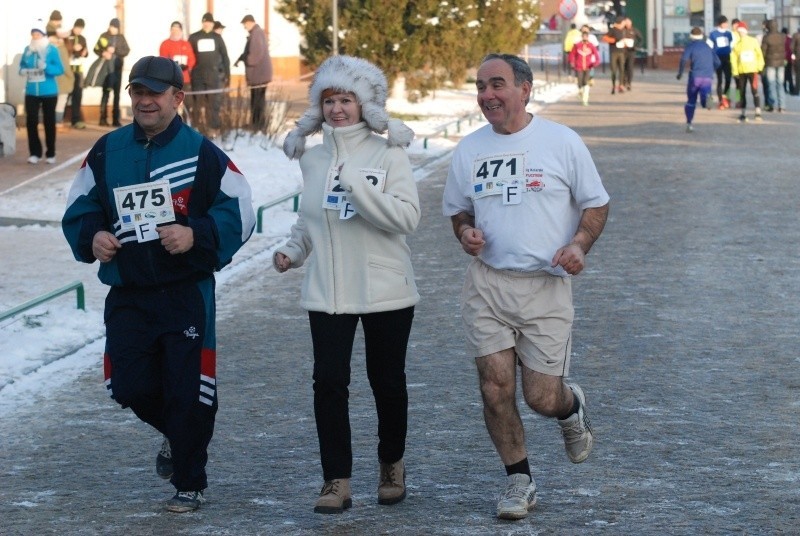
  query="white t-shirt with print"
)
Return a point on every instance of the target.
[{"x": 527, "y": 191}]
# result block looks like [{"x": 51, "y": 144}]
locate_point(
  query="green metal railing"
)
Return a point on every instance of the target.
[
  {"x": 452, "y": 126},
  {"x": 77, "y": 286},
  {"x": 262, "y": 208}
]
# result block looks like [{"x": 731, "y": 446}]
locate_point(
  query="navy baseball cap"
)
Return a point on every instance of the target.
[{"x": 156, "y": 73}]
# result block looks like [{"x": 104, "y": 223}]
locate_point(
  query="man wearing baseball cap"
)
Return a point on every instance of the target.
[{"x": 162, "y": 208}]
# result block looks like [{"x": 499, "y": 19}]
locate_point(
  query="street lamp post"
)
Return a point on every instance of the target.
[{"x": 335, "y": 50}]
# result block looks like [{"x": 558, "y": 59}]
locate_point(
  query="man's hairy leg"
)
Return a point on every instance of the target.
[{"x": 497, "y": 376}]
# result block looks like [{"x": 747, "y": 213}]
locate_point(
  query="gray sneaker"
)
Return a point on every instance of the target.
[
  {"x": 164, "y": 460},
  {"x": 185, "y": 501},
  {"x": 518, "y": 498},
  {"x": 576, "y": 430}
]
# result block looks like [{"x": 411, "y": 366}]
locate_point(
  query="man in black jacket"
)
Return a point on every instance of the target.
[
  {"x": 112, "y": 45},
  {"x": 210, "y": 75}
]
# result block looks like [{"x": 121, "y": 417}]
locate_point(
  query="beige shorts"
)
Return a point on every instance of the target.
[{"x": 531, "y": 312}]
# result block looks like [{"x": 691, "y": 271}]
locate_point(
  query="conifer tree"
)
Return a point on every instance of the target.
[{"x": 430, "y": 42}]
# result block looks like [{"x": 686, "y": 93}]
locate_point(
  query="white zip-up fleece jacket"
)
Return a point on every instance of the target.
[{"x": 362, "y": 264}]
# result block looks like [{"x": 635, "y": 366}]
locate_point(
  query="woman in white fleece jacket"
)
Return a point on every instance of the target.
[{"x": 359, "y": 201}]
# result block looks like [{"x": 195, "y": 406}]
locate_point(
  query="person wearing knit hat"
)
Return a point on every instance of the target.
[
  {"x": 359, "y": 202},
  {"x": 747, "y": 61},
  {"x": 54, "y": 22},
  {"x": 112, "y": 46},
  {"x": 40, "y": 64},
  {"x": 704, "y": 63},
  {"x": 210, "y": 77},
  {"x": 78, "y": 52}
]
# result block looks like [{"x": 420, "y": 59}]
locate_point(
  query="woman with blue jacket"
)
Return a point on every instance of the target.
[{"x": 41, "y": 64}]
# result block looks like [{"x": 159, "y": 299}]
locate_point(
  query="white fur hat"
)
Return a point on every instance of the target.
[{"x": 367, "y": 82}]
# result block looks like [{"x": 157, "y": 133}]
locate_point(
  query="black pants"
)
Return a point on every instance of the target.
[
  {"x": 748, "y": 80},
  {"x": 723, "y": 77},
  {"x": 48, "y": 106},
  {"x": 160, "y": 361},
  {"x": 257, "y": 103},
  {"x": 113, "y": 83},
  {"x": 76, "y": 97},
  {"x": 386, "y": 339}
]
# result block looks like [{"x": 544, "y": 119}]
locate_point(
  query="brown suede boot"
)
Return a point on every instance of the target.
[
  {"x": 392, "y": 486},
  {"x": 334, "y": 498}
]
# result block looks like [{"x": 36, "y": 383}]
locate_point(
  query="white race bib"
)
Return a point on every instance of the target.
[
  {"x": 35, "y": 75},
  {"x": 336, "y": 197},
  {"x": 206, "y": 45},
  {"x": 490, "y": 173},
  {"x": 143, "y": 206}
]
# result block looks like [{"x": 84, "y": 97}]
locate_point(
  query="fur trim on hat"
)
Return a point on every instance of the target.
[{"x": 367, "y": 82}]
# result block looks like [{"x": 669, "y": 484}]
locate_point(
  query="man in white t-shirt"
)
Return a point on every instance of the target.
[{"x": 527, "y": 203}]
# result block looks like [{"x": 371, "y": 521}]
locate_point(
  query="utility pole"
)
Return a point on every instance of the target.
[{"x": 335, "y": 50}]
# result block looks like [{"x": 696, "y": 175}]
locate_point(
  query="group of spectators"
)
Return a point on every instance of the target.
[
  {"x": 773, "y": 61},
  {"x": 54, "y": 60}
]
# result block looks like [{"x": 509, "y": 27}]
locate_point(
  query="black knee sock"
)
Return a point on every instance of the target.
[
  {"x": 521, "y": 467},
  {"x": 576, "y": 405}
]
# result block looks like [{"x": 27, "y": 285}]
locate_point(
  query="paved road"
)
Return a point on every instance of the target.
[{"x": 685, "y": 343}]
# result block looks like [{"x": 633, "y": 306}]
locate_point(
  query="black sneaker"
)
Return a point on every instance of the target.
[
  {"x": 164, "y": 460},
  {"x": 185, "y": 501}
]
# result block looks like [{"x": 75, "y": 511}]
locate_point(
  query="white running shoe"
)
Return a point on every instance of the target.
[
  {"x": 33, "y": 159},
  {"x": 576, "y": 430},
  {"x": 518, "y": 498}
]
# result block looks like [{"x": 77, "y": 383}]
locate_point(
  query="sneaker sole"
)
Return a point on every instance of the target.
[
  {"x": 515, "y": 515},
  {"x": 181, "y": 508},
  {"x": 334, "y": 509},
  {"x": 392, "y": 500}
]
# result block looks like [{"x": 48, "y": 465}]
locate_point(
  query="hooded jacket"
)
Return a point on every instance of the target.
[
  {"x": 361, "y": 264},
  {"x": 773, "y": 46}
]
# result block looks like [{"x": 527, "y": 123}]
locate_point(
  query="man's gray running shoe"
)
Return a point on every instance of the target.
[
  {"x": 576, "y": 430},
  {"x": 185, "y": 501},
  {"x": 518, "y": 498}
]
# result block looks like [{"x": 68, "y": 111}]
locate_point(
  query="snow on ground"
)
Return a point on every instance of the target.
[{"x": 54, "y": 342}]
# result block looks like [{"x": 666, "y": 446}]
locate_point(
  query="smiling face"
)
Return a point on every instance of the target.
[
  {"x": 154, "y": 111},
  {"x": 340, "y": 109},
  {"x": 501, "y": 101}
]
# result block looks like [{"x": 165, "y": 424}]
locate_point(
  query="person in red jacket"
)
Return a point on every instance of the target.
[
  {"x": 180, "y": 51},
  {"x": 583, "y": 58}
]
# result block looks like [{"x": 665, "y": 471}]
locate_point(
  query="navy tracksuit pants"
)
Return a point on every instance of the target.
[{"x": 160, "y": 361}]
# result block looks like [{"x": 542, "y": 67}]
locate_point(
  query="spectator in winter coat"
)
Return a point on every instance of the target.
[
  {"x": 795, "y": 46},
  {"x": 704, "y": 62},
  {"x": 180, "y": 51},
  {"x": 211, "y": 74},
  {"x": 773, "y": 47},
  {"x": 78, "y": 51},
  {"x": 40, "y": 64},
  {"x": 66, "y": 81},
  {"x": 112, "y": 46},
  {"x": 257, "y": 68}
]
